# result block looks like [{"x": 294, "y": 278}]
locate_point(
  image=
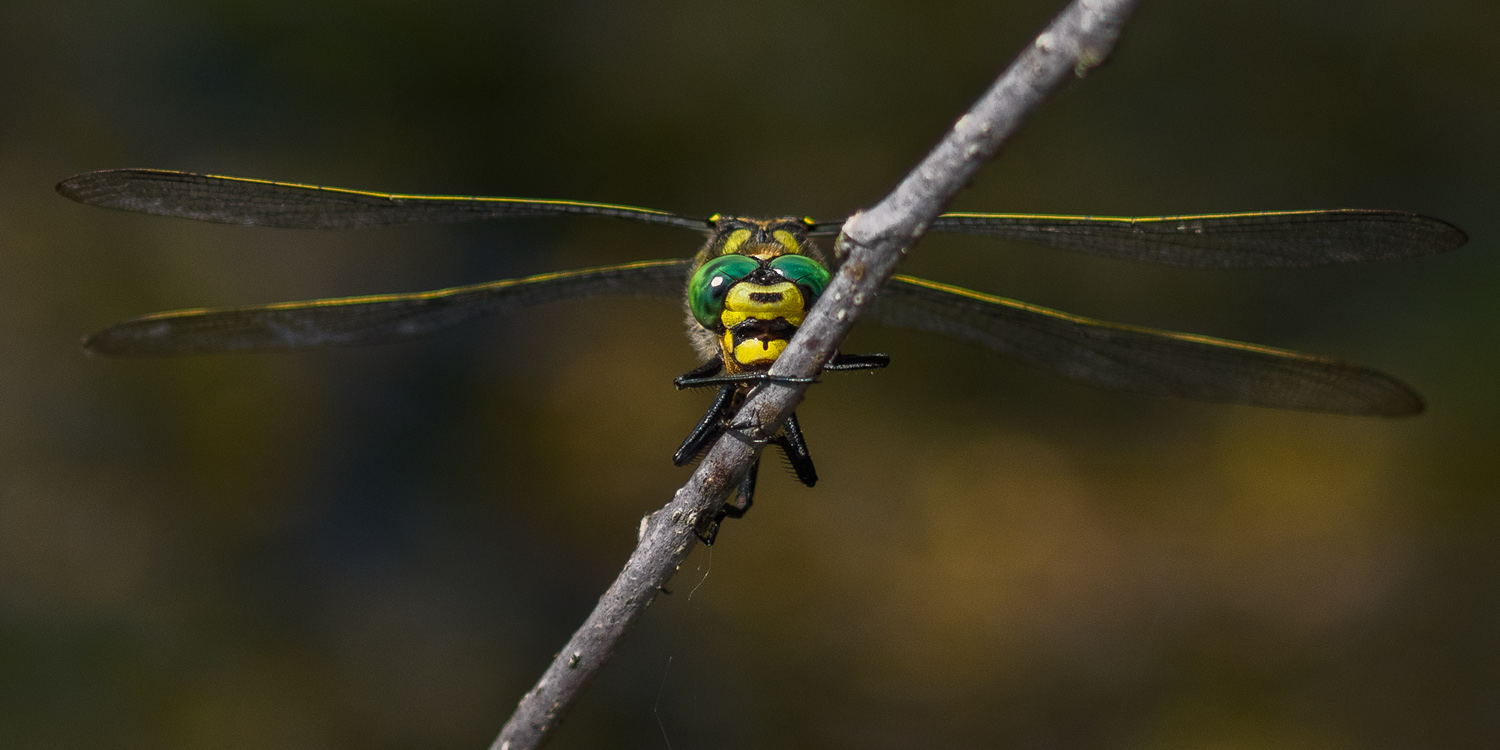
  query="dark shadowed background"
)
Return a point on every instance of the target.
[{"x": 381, "y": 548}]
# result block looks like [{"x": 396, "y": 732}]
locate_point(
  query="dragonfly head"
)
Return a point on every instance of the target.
[{"x": 753, "y": 286}]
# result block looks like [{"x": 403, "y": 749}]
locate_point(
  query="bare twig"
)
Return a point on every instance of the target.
[{"x": 870, "y": 247}]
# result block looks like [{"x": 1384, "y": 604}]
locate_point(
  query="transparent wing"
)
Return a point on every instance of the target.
[
  {"x": 1143, "y": 359},
  {"x": 373, "y": 319},
  {"x": 238, "y": 200},
  {"x": 1269, "y": 239}
]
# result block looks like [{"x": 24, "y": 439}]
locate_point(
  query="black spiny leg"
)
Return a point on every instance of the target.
[
  {"x": 692, "y": 378},
  {"x": 734, "y": 507},
  {"x": 708, "y": 428},
  {"x": 795, "y": 447},
  {"x": 705, "y": 374},
  {"x": 844, "y": 362},
  {"x": 790, "y": 439}
]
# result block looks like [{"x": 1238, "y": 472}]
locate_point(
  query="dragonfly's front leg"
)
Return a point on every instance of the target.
[
  {"x": 840, "y": 363},
  {"x": 846, "y": 362},
  {"x": 691, "y": 378}
]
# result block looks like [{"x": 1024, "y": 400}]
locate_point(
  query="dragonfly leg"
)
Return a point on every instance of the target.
[
  {"x": 689, "y": 378},
  {"x": 794, "y": 446},
  {"x": 737, "y": 506},
  {"x": 683, "y": 381},
  {"x": 708, "y": 428},
  {"x": 734, "y": 507},
  {"x": 709, "y": 375},
  {"x": 845, "y": 362}
]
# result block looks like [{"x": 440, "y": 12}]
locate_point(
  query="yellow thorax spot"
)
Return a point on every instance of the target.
[
  {"x": 745, "y": 301},
  {"x": 787, "y": 241},
  {"x": 734, "y": 240}
]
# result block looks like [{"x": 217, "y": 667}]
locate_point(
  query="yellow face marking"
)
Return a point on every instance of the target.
[
  {"x": 759, "y": 302},
  {"x": 735, "y": 239},
  {"x": 787, "y": 240},
  {"x": 741, "y": 304}
]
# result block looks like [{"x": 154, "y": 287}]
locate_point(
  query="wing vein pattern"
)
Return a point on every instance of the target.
[
  {"x": 1144, "y": 360},
  {"x": 1273, "y": 239},
  {"x": 240, "y": 200},
  {"x": 373, "y": 319}
]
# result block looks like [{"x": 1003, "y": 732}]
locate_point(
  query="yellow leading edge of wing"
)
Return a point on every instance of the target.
[
  {"x": 1127, "y": 219},
  {"x": 433, "y": 294},
  {"x": 414, "y": 196},
  {"x": 1081, "y": 320}
]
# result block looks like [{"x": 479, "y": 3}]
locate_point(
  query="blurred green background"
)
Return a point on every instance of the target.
[{"x": 382, "y": 548}]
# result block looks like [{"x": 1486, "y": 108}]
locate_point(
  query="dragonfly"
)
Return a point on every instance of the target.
[{"x": 752, "y": 281}]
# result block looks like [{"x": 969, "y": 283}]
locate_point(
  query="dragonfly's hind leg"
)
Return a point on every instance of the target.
[
  {"x": 794, "y": 446},
  {"x": 737, "y": 506},
  {"x": 792, "y": 443},
  {"x": 708, "y": 428},
  {"x": 734, "y": 507}
]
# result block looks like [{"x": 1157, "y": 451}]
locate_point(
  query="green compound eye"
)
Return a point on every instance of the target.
[
  {"x": 711, "y": 282},
  {"x": 803, "y": 271}
]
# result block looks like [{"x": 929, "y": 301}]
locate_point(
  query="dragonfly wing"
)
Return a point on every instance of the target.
[
  {"x": 1275, "y": 239},
  {"x": 239, "y": 200},
  {"x": 1141, "y": 359},
  {"x": 373, "y": 319}
]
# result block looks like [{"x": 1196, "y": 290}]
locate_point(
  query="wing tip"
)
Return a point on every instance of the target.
[
  {"x": 101, "y": 344},
  {"x": 1411, "y": 405},
  {"x": 1455, "y": 237},
  {"x": 1440, "y": 235},
  {"x": 86, "y": 187},
  {"x": 1395, "y": 399},
  {"x": 79, "y": 186},
  {"x": 97, "y": 187}
]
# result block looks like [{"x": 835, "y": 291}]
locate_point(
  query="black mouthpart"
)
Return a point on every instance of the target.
[{"x": 764, "y": 276}]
